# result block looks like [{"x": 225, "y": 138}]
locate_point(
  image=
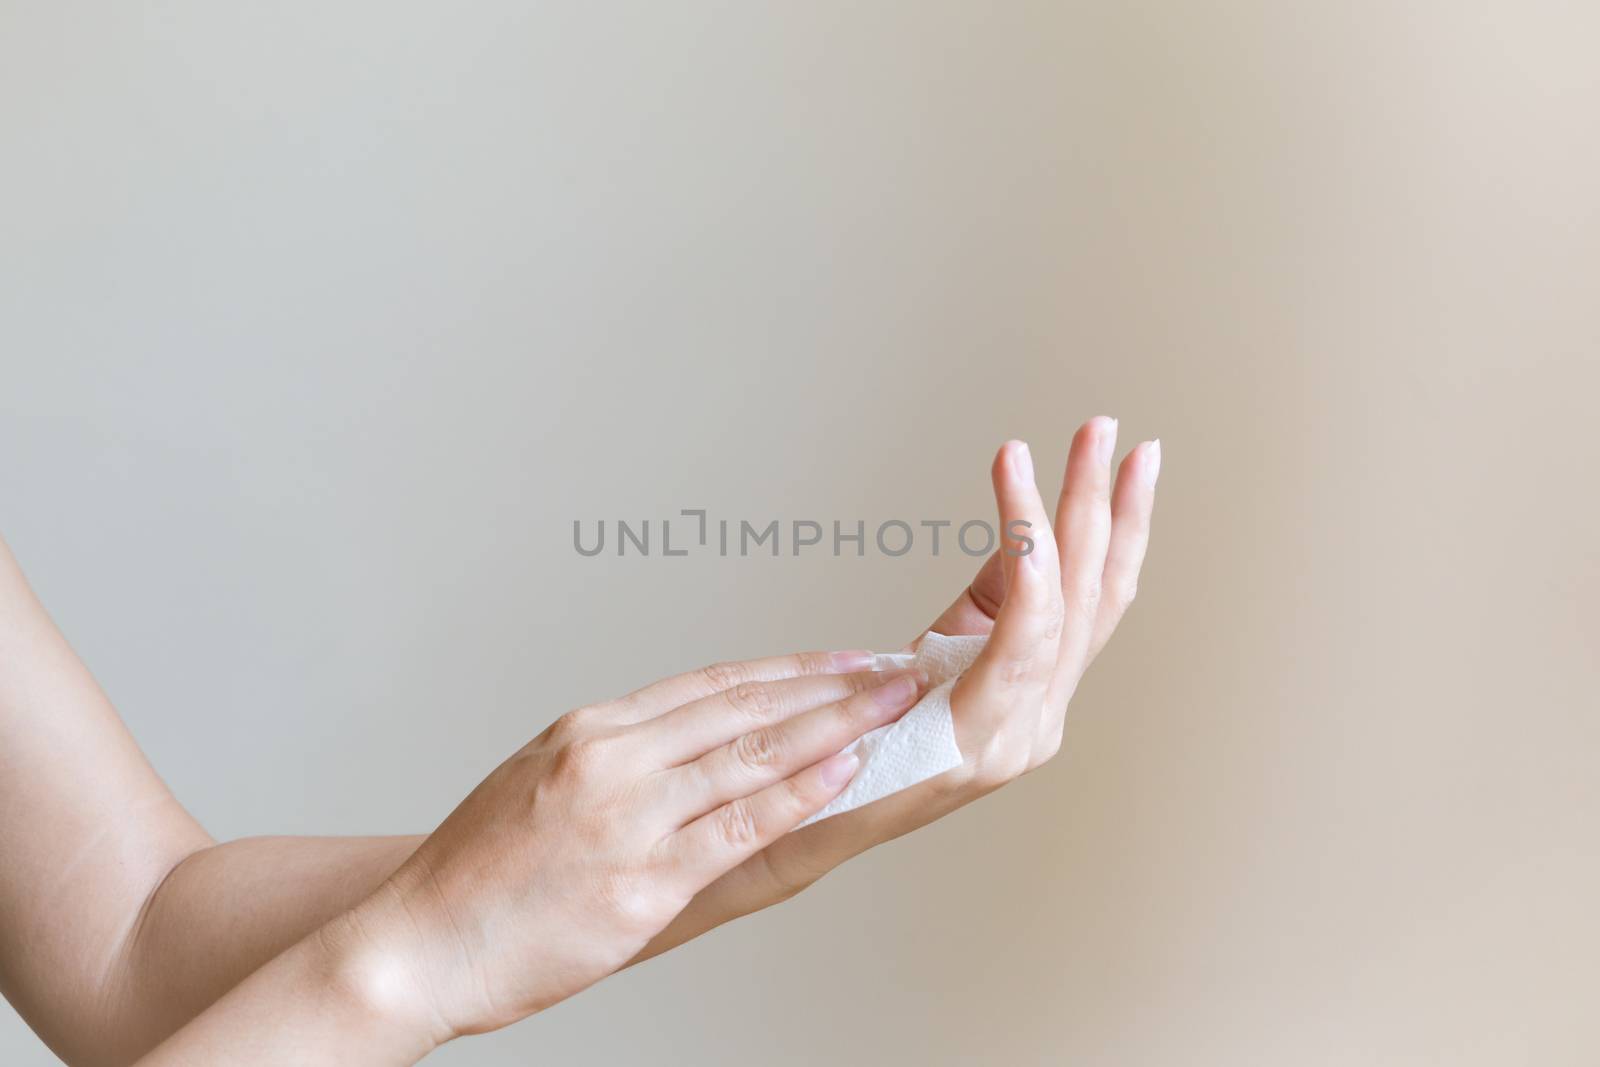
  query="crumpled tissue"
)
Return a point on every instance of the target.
[{"x": 922, "y": 742}]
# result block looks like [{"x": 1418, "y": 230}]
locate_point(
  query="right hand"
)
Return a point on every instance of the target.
[
  {"x": 575, "y": 852},
  {"x": 1048, "y": 621}
]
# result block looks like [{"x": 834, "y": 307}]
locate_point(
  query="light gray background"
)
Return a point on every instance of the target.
[{"x": 321, "y": 322}]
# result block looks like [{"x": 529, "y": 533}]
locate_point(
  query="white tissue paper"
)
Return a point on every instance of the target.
[{"x": 922, "y": 742}]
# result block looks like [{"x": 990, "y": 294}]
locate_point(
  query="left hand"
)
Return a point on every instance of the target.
[{"x": 1048, "y": 613}]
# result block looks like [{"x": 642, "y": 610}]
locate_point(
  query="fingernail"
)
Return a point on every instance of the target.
[
  {"x": 851, "y": 660},
  {"x": 1022, "y": 461},
  {"x": 897, "y": 691},
  {"x": 1152, "y": 461},
  {"x": 1106, "y": 442},
  {"x": 839, "y": 769}
]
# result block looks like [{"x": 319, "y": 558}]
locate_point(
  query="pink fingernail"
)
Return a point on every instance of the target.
[
  {"x": 839, "y": 769},
  {"x": 851, "y": 660},
  {"x": 897, "y": 691},
  {"x": 1022, "y": 461},
  {"x": 1152, "y": 461}
]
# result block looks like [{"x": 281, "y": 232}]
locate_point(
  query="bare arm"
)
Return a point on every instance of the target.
[
  {"x": 120, "y": 919},
  {"x": 228, "y": 909},
  {"x": 87, "y": 832},
  {"x": 327, "y": 999}
]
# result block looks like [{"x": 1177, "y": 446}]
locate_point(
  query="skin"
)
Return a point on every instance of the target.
[{"x": 624, "y": 830}]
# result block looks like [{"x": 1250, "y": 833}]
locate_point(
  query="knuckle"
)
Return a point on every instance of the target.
[
  {"x": 583, "y": 756},
  {"x": 736, "y": 825},
  {"x": 758, "y": 749},
  {"x": 860, "y": 683},
  {"x": 580, "y": 721},
  {"x": 754, "y": 699},
  {"x": 565, "y": 730},
  {"x": 723, "y": 675},
  {"x": 813, "y": 663}
]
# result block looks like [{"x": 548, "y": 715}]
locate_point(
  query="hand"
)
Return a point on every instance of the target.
[
  {"x": 571, "y": 855},
  {"x": 1049, "y": 613},
  {"x": 1063, "y": 609}
]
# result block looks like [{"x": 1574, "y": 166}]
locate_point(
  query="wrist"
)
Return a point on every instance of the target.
[{"x": 370, "y": 977}]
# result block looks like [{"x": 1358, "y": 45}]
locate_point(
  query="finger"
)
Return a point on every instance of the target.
[
  {"x": 669, "y": 693},
  {"x": 1083, "y": 531},
  {"x": 755, "y": 760},
  {"x": 1132, "y": 502},
  {"x": 974, "y": 610},
  {"x": 689, "y": 732},
  {"x": 726, "y": 836},
  {"x": 1015, "y": 666}
]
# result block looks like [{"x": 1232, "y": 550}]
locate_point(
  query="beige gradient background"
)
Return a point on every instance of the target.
[{"x": 321, "y": 322}]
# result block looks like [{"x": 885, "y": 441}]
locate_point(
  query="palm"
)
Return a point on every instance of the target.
[
  {"x": 1115, "y": 552},
  {"x": 974, "y": 610}
]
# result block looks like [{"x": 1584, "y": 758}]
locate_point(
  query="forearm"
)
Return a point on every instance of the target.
[
  {"x": 120, "y": 920},
  {"x": 229, "y": 909},
  {"x": 225, "y": 911},
  {"x": 331, "y": 998}
]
